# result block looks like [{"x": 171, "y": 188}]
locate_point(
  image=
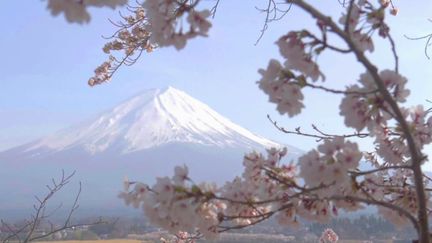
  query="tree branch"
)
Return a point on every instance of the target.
[{"x": 415, "y": 155}]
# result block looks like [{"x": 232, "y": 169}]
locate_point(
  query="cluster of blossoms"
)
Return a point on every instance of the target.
[
  {"x": 364, "y": 107},
  {"x": 389, "y": 3},
  {"x": 283, "y": 83},
  {"x": 403, "y": 197},
  {"x": 165, "y": 22},
  {"x": 175, "y": 205},
  {"x": 75, "y": 11},
  {"x": 362, "y": 40},
  {"x": 393, "y": 148},
  {"x": 328, "y": 236},
  {"x": 102, "y": 73},
  {"x": 278, "y": 85},
  {"x": 393, "y": 186},
  {"x": 180, "y": 237},
  {"x": 267, "y": 187},
  {"x": 363, "y": 20},
  {"x": 293, "y": 49},
  {"x": 299, "y": 48},
  {"x": 329, "y": 165},
  {"x": 132, "y": 39},
  {"x": 420, "y": 125},
  {"x": 132, "y": 36},
  {"x": 153, "y": 24}
]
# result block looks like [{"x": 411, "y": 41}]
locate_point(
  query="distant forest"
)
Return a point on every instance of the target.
[{"x": 364, "y": 227}]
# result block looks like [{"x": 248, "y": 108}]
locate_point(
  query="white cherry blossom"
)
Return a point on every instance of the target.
[
  {"x": 287, "y": 95},
  {"x": 292, "y": 48},
  {"x": 75, "y": 11}
]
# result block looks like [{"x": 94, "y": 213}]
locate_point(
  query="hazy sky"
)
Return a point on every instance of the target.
[{"x": 46, "y": 63}]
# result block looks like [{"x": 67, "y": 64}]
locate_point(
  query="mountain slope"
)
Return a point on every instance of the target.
[
  {"x": 152, "y": 119},
  {"x": 143, "y": 138}
]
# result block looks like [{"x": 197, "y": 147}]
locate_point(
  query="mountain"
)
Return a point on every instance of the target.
[
  {"x": 152, "y": 119},
  {"x": 143, "y": 137}
]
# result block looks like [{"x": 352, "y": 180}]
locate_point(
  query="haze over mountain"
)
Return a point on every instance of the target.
[{"x": 143, "y": 138}]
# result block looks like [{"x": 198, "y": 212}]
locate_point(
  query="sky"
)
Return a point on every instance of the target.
[{"x": 46, "y": 63}]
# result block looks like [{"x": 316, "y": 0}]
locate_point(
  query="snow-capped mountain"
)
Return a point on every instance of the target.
[
  {"x": 143, "y": 138},
  {"x": 151, "y": 119}
]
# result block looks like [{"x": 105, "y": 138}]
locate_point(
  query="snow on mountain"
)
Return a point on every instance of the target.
[
  {"x": 152, "y": 119},
  {"x": 144, "y": 137}
]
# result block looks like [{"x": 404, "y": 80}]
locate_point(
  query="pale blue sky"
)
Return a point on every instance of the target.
[{"x": 46, "y": 62}]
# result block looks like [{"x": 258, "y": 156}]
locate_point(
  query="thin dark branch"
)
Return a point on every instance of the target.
[
  {"x": 214, "y": 8},
  {"x": 266, "y": 21},
  {"x": 320, "y": 136},
  {"x": 348, "y": 17},
  {"x": 428, "y": 39},
  {"x": 395, "y": 167},
  {"x": 395, "y": 55},
  {"x": 40, "y": 216},
  {"x": 277, "y": 14}
]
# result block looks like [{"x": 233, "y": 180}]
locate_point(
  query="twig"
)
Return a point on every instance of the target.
[{"x": 321, "y": 136}]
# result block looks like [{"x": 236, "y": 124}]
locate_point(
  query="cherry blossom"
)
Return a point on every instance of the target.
[
  {"x": 75, "y": 11},
  {"x": 163, "y": 22},
  {"x": 421, "y": 128},
  {"x": 328, "y": 236},
  {"x": 287, "y": 95},
  {"x": 365, "y": 107},
  {"x": 363, "y": 41},
  {"x": 101, "y": 73},
  {"x": 293, "y": 49},
  {"x": 330, "y": 165},
  {"x": 354, "y": 17}
]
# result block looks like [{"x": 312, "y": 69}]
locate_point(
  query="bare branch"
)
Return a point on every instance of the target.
[
  {"x": 272, "y": 12},
  {"x": 319, "y": 137},
  {"x": 41, "y": 214},
  {"x": 395, "y": 55},
  {"x": 395, "y": 167},
  {"x": 428, "y": 39},
  {"x": 214, "y": 8}
]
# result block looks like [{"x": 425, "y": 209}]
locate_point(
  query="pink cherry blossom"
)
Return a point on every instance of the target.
[
  {"x": 328, "y": 236},
  {"x": 293, "y": 49}
]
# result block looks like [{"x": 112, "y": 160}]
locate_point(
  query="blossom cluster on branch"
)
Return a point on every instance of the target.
[
  {"x": 132, "y": 38},
  {"x": 152, "y": 24},
  {"x": 75, "y": 11}
]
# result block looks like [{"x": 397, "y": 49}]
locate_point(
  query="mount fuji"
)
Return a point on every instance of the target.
[
  {"x": 143, "y": 138},
  {"x": 149, "y": 120}
]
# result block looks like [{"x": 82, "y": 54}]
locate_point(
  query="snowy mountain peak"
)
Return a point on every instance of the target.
[{"x": 151, "y": 119}]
